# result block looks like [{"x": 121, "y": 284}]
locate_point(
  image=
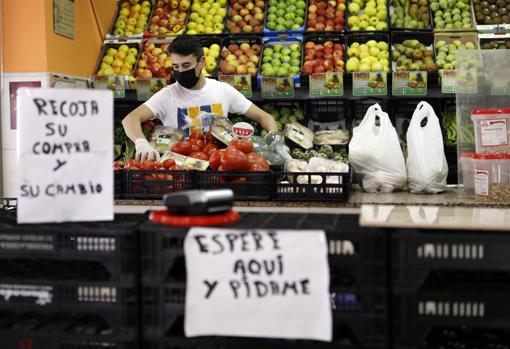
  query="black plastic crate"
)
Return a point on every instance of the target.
[
  {"x": 357, "y": 256},
  {"x": 415, "y": 315},
  {"x": 65, "y": 331},
  {"x": 417, "y": 255},
  {"x": 327, "y": 110},
  {"x": 150, "y": 185},
  {"x": 118, "y": 184},
  {"x": 101, "y": 251},
  {"x": 312, "y": 186},
  {"x": 370, "y": 333},
  {"x": 245, "y": 185}
]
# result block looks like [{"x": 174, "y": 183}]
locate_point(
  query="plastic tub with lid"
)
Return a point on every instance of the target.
[
  {"x": 492, "y": 130},
  {"x": 492, "y": 177}
]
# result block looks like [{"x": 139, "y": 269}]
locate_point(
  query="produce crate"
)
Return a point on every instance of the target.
[
  {"x": 417, "y": 255},
  {"x": 253, "y": 33},
  {"x": 279, "y": 104},
  {"x": 111, "y": 35},
  {"x": 416, "y": 315},
  {"x": 358, "y": 257},
  {"x": 238, "y": 40},
  {"x": 155, "y": 13},
  {"x": 335, "y": 17},
  {"x": 450, "y": 30},
  {"x": 489, "y": 28},
  {"x": 129, "y": 80},
  {"x": 362, "y": 9},
  {"x": 205, "y": 34},
  {"x": 320, "y": 39},
  {"x": 362, "y": 334},
  {"x": 245, "y": 185},
  {"x": 207, "y": 42},
  {"x": 103, "y": 251},
  {"x": 312, "y": 186},
  {"x": 285, "y": 41},
  {"x": 300, "y": 31},
  {"x": 494, "y": 41},
  {"x": 141, "y": 184},
  {"x": 327, "y": 110},
  {"x": 66, "y": 331},
  {"x": 430, "y": 23},
  {"x": 425, "y": 38}
]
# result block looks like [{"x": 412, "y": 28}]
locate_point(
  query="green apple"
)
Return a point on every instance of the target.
[
  {"x": 282, "y": 71},
  {"x": 354, "y": 8}
]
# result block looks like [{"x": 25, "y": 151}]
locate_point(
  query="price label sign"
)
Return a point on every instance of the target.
[
  {"x": 409, "y": 83},
  {"x": 241, "y": 83},
  {"x": 146, "y": 87},
  {"x": 114, "y": 83},
  {"x": 277, "y": 87},
  {"x": 453, "y": 81},
  {"x": 243, "y": 130},
  {"x": 369, "y": 84},
  {"x": 330, "y": 84}
]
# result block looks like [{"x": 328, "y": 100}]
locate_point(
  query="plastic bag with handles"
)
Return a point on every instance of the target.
[
  {"x": 375, "y": 153},
  {"x": 427, "y": 168}
]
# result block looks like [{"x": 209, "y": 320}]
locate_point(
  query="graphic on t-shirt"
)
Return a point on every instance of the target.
[{"x": 198, "y": 119}]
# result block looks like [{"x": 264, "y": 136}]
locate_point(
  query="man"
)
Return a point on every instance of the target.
[{"x": 192, "y": 102}]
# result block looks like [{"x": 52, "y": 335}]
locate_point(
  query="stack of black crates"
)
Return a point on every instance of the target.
[
  {"x": 359, "y": 284},
  {"x": 450, "y": 289},
  {"x": 69, "y": 286}
]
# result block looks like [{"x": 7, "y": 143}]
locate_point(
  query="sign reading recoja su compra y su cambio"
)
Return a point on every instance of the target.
[
  {"x": 65, "y": 152},
  {"x": 257, "y": 283}
]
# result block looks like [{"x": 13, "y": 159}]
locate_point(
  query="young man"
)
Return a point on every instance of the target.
[{"x": 192, "y": 102}]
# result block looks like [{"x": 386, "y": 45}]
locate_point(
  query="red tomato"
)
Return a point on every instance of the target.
[
  {"x": 200, "y": 143},
  {"x": 199, "y": 155},
  {"x": 147, "y": 165},
  {"x": 196, "y": 137},
  {"x": 259, "y": 167},
  {"x": 243, "y": 145},
  {"x": 175, "y": 167},
  {"x": 234, "y": 160},
  {"x": 132, "y": 163},
  {"x": 256, "y": 158},
  {"x": 209, "y": 148},
  {"x": 194, "y": 148},
  {"x": 215, "y": 159},
  {"x": 168, "y": 162},
  {"x": 209, "y": 137},
  {"x": 182, "y": 147},
  {"x": 118, "y": 164}
]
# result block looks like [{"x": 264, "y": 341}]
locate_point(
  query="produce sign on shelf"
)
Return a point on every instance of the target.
[
  {"x": 453, "y": 81},
  {"x": 409, "y": 83},
  {"x": 241, "y": 83},
  {"x": 277, "y": 87},
  {"x": 369, "y": 84},
  {"x": 255, "y": 283},
  {"x": 65, "y": 154},
  {"x": 243, "y": 129},
  {"x": 329, "y": 84},
  {"x": 146, "y": 87},
  {"x": 115, "y": 83}
]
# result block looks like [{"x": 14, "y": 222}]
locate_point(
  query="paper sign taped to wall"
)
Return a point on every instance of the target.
[
  {"x": 257, "y": 283},
  {"x": 65, "y": 153}
]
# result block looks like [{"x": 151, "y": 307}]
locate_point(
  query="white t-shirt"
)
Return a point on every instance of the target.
[{"x": 192, "y": 110}]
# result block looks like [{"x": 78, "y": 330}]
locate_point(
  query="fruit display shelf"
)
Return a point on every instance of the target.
[
  {"x": 491, "y": 15},
  {"x": 325, "y": 16},
  {"x": 446, "y": 44},
  {"x": 452, "y": 15},
  {"x": 130, "y": 20},
  {"x": 285, "y": 17},
  {"x": 119, "y": 59},
  {"x": 246, "y": 17},
  {"x": 241, "y": 55},
  {"x": 207, "y": 17},
  {"x": 322, "y": 53},
  {"x": 368, "y": 16},
  {"x": 169, "y": 18},
  {"x": 363, "y": 48},
  {"x": 499, "y": 41}
]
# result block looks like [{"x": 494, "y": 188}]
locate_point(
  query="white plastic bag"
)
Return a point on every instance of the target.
[
  {"x": 375, "y": 153},
  {"x": 427, "y": 168}
]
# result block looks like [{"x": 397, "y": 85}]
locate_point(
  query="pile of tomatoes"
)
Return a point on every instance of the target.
[
  {"x": 197, "y": 146},
  {"x": 149, "y": 165}
]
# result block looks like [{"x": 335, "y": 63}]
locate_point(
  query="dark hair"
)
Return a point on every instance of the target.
[{"x": 185, "y": 45}]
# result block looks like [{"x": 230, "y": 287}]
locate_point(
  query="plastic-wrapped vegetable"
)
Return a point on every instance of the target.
[
  {"x": 275, "y": 137},
  {"x": 259, "y": 144},
  {"x": 275, "y": 159}
]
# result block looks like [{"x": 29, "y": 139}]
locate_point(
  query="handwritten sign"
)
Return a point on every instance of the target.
[
  {"x": 65, "y": 152},
  {"x": 146, "y": 87},
  {"x": 256, "y": 283},
  {"x": 369, "y": 84},
  {"x": 329, "y": 84},
  {"x": 277, "y": 88},
  {"x": 241, "y": 83},
  {"x": 409, "y": 83}
]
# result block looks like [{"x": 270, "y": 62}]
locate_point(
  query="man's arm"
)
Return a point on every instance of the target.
[
  {"x": 132, "y": 123},
  {"x": 264, "y": 119}
]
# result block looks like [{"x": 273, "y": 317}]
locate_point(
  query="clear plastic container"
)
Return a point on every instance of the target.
[
  {"x": 467, "y": 172},
  {"x": 492, "y": 177},
  {"x": 492, "y": 130}
]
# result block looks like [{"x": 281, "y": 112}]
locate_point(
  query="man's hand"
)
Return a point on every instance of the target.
[{"x": 144, "y": 151}]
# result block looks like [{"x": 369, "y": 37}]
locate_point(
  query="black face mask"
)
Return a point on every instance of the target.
[{"x": 187, "y": 78}]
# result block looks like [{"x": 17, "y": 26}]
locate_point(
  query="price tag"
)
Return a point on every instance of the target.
[
  {"x": 369, "y": 84},
  {"x": 329, "y": 84},
  {"x": 277, "y": 87},
  {"x": 453, "y": 81},
  {"x": 243, "y": 130},
  {"x": 146, "y": 87},
  {"x": 409, "y": 83},
  {"x": 115, "y": 83},
  {"x": 241, "y": 83}
]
